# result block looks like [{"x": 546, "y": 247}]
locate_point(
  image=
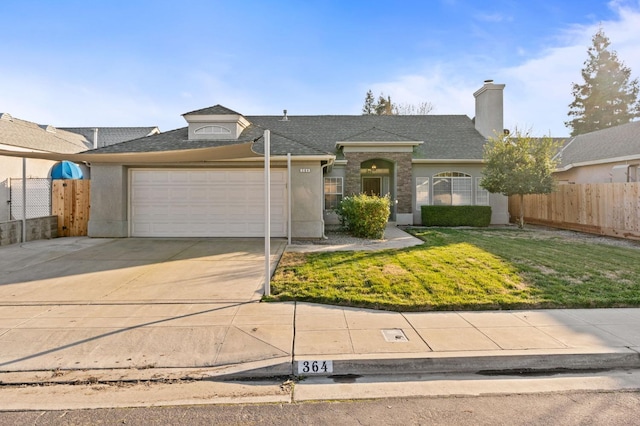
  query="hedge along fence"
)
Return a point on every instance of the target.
[
  {"x": 455, "y": 215},
  {"x": 365, "y": 216}
]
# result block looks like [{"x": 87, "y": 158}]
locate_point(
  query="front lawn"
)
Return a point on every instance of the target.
[{"x": 468, "y": 269}]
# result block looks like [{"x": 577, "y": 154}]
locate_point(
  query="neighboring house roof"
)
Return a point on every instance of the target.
[
  {"x": 112, "y": 135},
  {"x": 31, "y": 136},
  {"x": 443, "y": 136},
  {"x": 603, "y": 146}
]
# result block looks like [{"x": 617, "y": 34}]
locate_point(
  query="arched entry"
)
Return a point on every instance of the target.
[{"x": 377, "y": 177}]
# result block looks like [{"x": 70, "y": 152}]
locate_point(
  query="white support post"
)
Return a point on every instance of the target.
[
  {"x": 289, "y": 191},
  {"x": 267, "y": 213},
  {"x": 24, "y": 199}
]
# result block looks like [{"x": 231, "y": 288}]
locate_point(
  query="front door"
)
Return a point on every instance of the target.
[{"x": 371, "y": 185}]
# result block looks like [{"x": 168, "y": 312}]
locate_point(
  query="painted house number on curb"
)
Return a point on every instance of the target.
[{"x": 315, "y": 367}]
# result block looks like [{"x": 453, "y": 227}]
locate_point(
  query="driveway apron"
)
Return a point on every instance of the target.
[{"x": 82, "y": 303}]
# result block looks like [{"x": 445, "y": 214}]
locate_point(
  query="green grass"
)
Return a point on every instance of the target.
[{"x": 467, "y": 269}]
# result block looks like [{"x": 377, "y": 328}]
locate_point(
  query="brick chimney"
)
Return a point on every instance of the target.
[{"x": 489, "y": 118}]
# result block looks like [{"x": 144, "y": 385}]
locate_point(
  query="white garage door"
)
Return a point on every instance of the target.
[{"x": 205, "y": 203}]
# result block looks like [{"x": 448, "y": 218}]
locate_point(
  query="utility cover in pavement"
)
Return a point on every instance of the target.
[{"x": 394, "y": 335}]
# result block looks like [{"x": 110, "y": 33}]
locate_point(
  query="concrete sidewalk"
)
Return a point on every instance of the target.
[
  {"x": 359, "y": 341},
  {"x": 128, "y": 338}
]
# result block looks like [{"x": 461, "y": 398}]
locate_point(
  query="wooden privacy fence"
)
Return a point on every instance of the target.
[
  {"x": 70, "y": 202},
  {"x": 599, "y": 208}
]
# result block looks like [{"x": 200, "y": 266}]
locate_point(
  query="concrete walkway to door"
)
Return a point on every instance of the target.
[{"x": 82, "y": 303}]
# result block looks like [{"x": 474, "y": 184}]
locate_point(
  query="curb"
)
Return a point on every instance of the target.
[
  {"x": 486, "y": 362},
  {"x": 476, "y": 362}
]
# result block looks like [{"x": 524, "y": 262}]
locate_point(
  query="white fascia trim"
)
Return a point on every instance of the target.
[
  {"x": 20, "y": 148},
  {"x": 596, "y": 162},
  {"x": 378, "y": 144},
  {"x": 443, "y": 161},
  {"x": 329, "y": 158},
  {"x": 305, "y": 157}
]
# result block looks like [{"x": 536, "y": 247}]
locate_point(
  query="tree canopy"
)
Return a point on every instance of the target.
[
  {"x": 519, "y": 165},
  {"x": 607, "y": 97},
  {"x": 384, "y": 106}
]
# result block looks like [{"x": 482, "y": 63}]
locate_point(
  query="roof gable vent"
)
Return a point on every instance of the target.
[{"x": 212, "y": 130}]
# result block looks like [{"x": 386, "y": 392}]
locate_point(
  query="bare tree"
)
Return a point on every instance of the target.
[
  {"x": 423, "y": 108},
  {"x": 384, "y": 106}
]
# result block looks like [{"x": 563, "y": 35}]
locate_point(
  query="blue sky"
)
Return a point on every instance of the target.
[{"x": 144, "y": 62}]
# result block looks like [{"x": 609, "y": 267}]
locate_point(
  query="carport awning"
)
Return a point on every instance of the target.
[{"x": 217, "y": 153}]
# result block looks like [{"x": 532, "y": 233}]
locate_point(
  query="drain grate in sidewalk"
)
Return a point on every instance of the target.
[{"x": 394, "y": 335}]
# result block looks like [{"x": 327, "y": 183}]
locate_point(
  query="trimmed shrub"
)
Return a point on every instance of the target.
[
  {"x": 456, "y": 215},
  {"x": 364, "y": 216}
]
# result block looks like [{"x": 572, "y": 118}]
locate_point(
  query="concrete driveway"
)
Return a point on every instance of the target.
[
  {"x": 79, "y": 303},
  {"x": 134, "y": 270}
]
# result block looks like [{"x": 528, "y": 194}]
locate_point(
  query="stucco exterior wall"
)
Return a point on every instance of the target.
[
  {"x": 499, "y": 209},
  {"x": 597, "y": 173},
  {"x": 109, "y": 200},
  {"x": 307, "y": 200},
  {"x": 109, "y": 195}
]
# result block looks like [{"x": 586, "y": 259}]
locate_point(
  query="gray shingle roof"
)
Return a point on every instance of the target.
[
  {"x": 25, "y": 134},
  {"x": 602, "y": 145},
  {"x": 444, "y": 136},
  {"x": 376, "y": 135},
  {"x": 112, "y": 135},
  {"x": 214, "y": 110}
]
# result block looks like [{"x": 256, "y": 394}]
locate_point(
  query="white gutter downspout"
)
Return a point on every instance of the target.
[{"x": 289, "y": 198}]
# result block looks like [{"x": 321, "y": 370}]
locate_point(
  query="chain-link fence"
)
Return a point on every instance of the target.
[{"x": 38, "y": 197}]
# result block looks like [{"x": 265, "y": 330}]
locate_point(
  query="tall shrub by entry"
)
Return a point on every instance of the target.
[{"x": 365, "y": 216}]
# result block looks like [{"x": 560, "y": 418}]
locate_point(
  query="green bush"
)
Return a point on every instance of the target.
[
  {"x": 456, "y": 215},
  {"x": 364, "y": 216}
]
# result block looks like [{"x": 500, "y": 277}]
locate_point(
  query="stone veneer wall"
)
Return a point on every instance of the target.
[
  {"x": 39, "y": 228},
  {"x": 402, "y": 163}
]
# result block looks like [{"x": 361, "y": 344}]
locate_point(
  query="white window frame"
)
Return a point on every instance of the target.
[
  {"x": 461, "y": 183},
  {"x": 338, "y": 181},
  {"x": 482, "y": 195},
  {"x": 422, "y": 192}
]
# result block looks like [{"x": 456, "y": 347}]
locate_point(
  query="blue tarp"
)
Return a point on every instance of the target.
[{"x": 66, "y": 170}]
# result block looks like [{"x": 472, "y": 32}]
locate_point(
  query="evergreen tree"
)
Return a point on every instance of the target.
[
  {"x": 519, "y": 165},
  {"x": 369, "y": 107},
  {"x": 608, "y": 97}
]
